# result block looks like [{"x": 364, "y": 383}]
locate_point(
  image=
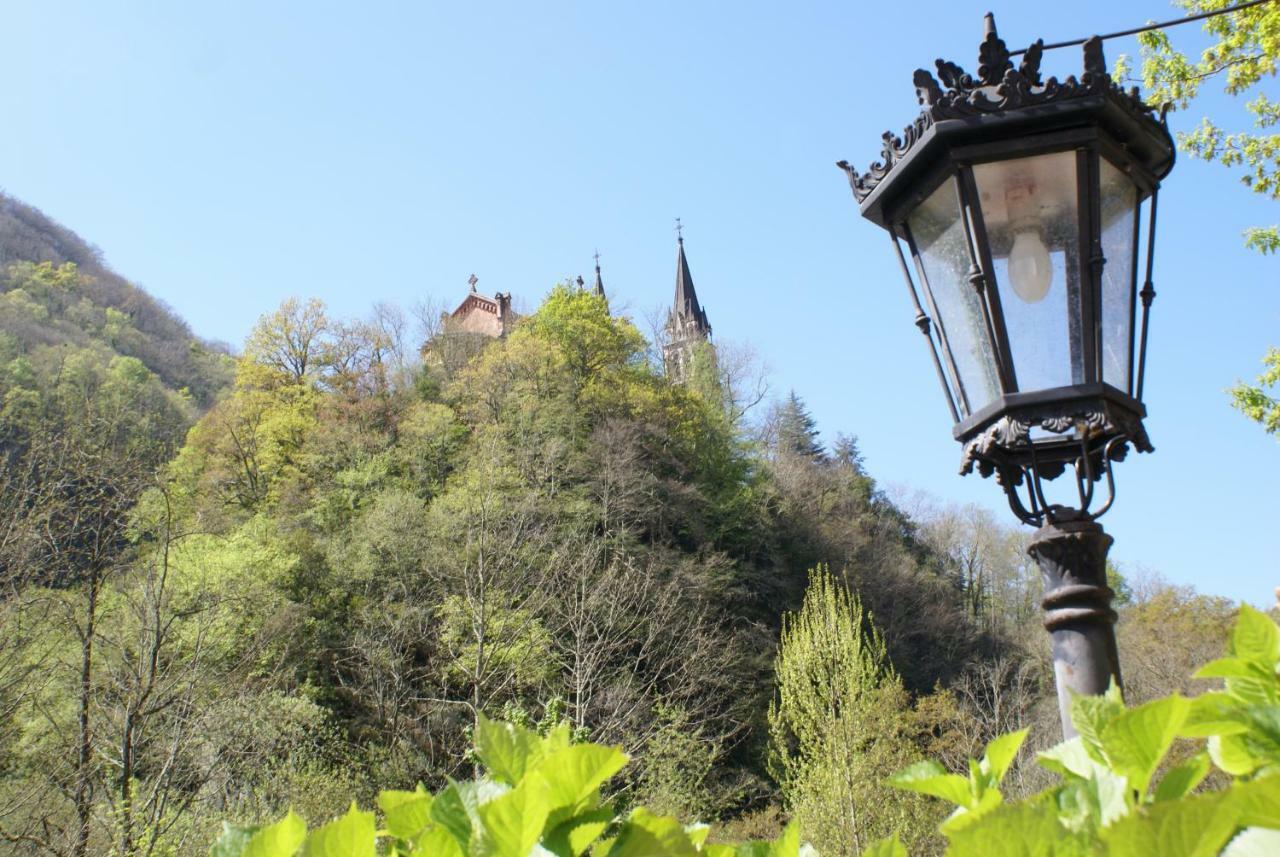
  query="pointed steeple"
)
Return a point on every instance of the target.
[
  {"x": 686, "y": 303},
  {"x": 599, "y": 288}
]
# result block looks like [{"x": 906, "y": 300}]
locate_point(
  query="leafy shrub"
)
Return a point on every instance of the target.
[
  {"x": 1118, "y": 794},
  {"x": 540, "y": 796}
]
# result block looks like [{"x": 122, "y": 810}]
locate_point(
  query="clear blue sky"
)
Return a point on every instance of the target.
[{"x": 225, "y": 156}]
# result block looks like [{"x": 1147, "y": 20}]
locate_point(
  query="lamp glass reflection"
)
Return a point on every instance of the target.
[{"x": 1030, "y": 219}]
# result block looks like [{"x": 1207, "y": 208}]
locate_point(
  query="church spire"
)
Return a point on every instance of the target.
[
  {"x": 599, "y": 288},
  {"x": 686, "y": 303},
  {"x": 688, "y": 332}
]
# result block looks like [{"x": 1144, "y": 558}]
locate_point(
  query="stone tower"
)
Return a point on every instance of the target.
[{"x": 687, "y": 324}]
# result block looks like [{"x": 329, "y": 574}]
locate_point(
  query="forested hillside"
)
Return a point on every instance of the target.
[
  {"x": 57, "y": 293},
  {"x": 363, "y": 545}
]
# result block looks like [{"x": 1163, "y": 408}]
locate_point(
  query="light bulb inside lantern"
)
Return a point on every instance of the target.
[{"x": 1030, "y": 270}]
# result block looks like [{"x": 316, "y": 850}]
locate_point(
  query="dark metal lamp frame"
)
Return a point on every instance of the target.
[
  {"x": 1026, "y": 436},
  {"x": 1003, "y": 114}
]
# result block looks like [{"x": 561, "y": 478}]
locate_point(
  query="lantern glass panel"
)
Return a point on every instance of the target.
[
  {"x": 1119, "y": 206},
  {"x": 1030, "y": 214},
  {"x": 939, "y": 238}
]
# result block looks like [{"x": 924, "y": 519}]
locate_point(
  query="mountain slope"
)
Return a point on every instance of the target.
[{"x": 44, "y": 302}]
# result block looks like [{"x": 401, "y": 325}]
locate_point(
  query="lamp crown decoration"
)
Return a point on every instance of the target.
[{"x": 997, "y": 87}]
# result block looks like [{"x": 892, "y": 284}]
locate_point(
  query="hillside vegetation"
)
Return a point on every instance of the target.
[
  {"x": 58, "y": 297},
  {"x": 360, "y": 548}
]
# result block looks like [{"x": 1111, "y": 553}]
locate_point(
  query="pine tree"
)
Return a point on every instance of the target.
[{"x": 796, "y": 431}]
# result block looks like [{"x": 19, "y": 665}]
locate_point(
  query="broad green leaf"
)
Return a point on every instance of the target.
[
  {"x": 437, "y": 842},
  {"x": 406, "y": 813},
  {"x": 1183, "y": 778},
  {"x": 505, "y": 749},
  {"x": 1001, "y": 752},
  {"x": 1091, "y": 714},
  {"x": 512, "y": 824},
  {"x": 1257, "y": 803},
  {"x": 891, "y": 847},
  {"x": 1255, "y": 637},
  {"x": 1212, "y": 713},
  {"x": 1254, "y": 842},
  {"x": 647, "y": 835},
  {"x": 573, "y": 836},
  {"x": 1095, "y": 799},
  {"x": 1069, "y": 758},
  {"x": 1109, "y": 793},
  {"x": 574, "y": 773},
  {"x": 233, "y": 841},
  {"x": 1136, "y": 740},
  {"x": 966, "y": 816},
  {"x": 1198, "y": 826},
  {"x": 352, "y": 835},
  {"x": 1234, "y": 668},
  {"x": 559, "y": 737},
  {"x": 1232, "y": 754},
  {"x": 1077, "y": 810},
  {"x": 931, "y": 778},
  {"x": 1026, "y": 830},
  {"x": 282, "y": 839},
  {"x": 450, "y": 812},
  {"x": 1263, "y": 734}
]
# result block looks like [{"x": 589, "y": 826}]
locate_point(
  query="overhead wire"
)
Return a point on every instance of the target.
[{"x": 1149, "y": 27}]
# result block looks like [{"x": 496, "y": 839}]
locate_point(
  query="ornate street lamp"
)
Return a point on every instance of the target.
[{"x": 1019, "y": 203}]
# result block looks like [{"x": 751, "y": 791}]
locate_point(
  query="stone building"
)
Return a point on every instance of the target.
[{"x": 481, "y": 314}]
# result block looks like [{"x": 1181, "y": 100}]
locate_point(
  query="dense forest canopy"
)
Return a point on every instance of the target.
[{"x": 232, "y": 587}]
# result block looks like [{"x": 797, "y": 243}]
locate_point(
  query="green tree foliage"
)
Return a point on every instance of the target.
[
  {"x": 1256, "y": 401},
  {"x": 56, "y": 296},
  {"x": 1117, "y": 792},
  {"x": 540, "y": 794},
  {"x": 1244, "y": 53},
  {"x": 841, "y": 716},
  {"x": 360, "y": 551}
]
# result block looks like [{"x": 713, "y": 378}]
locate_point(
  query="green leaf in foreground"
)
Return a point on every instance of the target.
[
  {"x": 512, "y": 823},
  {"x": 1255, "y": 637},
  {"x": 281, "y": 839},
  {"x": 505, "y": 749},
  {"x": 1183, "y": 778},
  {"x": 931, "y": 778},
  {"x": 352, "y": 835},
  {"x": 1001, "y": 752},
  {"x": 646, "y": 835},
  {"x": 1136, "y": 740},
  {"x": 406, "y": 813}
]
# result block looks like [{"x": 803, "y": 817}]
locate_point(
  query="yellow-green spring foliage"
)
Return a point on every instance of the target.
[
  {"x": 839, "y": 723},
  {"x": 1119, "y": 793},
  {"x": 540, "y": 795}
]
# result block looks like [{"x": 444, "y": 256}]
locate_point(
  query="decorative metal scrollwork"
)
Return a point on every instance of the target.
[{"x": 998, "y": 87}]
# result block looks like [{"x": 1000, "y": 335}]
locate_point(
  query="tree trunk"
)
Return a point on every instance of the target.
[{"x": 83, "y": 797}]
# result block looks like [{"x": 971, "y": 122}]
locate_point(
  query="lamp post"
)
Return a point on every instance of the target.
[{"x": 1015, "y": 207}]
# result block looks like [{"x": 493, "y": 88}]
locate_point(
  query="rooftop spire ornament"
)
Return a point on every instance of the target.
[{"x": 1018, "y": 200}]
